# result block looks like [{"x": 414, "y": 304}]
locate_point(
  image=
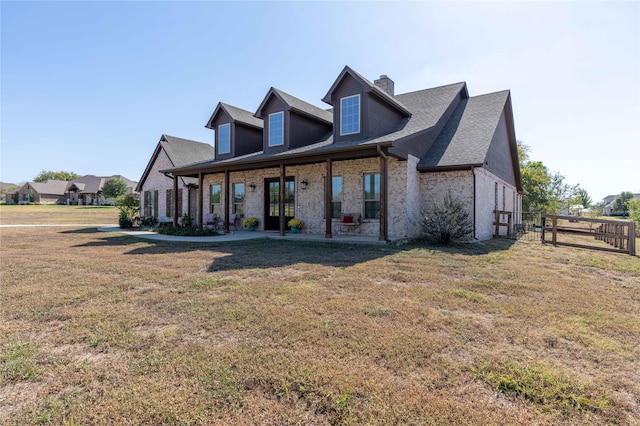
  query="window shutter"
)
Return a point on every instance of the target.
[
  {"x": 146, "y": 203},
  {"x": 168, "y": 210},
  {"x": 180, "y": 202},
  {"x": 155, "y": 203}
]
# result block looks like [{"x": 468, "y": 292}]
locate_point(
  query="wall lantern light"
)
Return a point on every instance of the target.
[
  {"x": 304, "y": 184},
  {"x": 252, "y": 187}
]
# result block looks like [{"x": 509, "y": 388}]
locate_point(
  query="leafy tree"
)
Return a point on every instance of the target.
[
  {"x": 114, "y": 188},
  {"x": 448, "y": 221},
  {"x": 597, "y": 209},
  {"x": 620, "y": 204},
  {"x": 47, "y": 174},
  {"x": 634, "y": 213},
  {"x": 129, "y": 206},
  {"x": 582, "y": 197}
]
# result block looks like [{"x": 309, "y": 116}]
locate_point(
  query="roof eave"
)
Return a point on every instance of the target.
[{"x": 448, "y": 168}]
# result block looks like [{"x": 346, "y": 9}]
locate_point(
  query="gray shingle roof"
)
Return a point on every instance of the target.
[
  {"x": 393, "y": 100},
  {"x": 467, "y": 135},
  {"x": 182, "y": 152},
  {"x": 426, "y": 106},
  {"x": 52, "y": 187},
  {"x": 237, "y": 114},
  {"x": 297, "y": 105}
]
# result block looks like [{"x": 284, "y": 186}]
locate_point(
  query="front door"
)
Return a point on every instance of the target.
[{"x": 272, "y": 202}]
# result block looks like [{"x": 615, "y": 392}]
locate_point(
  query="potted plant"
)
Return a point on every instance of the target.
[
  {"x": 186, "y": 220},
  {"x": 295, "y": 225},
  {"x": 250, "y": 223}
]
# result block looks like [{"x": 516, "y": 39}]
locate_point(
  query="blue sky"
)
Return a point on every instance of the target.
[{"x": 90, "y": 87}]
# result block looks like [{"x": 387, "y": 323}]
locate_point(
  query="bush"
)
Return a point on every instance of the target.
[
  {"x": 169, "y": 229},
  {"x": 124, "y": 221},
  {"x": 151, "y": 221},
  {"x": 449, "y": 221}
]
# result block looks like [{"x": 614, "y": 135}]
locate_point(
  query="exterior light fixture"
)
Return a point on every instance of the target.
[
  {"x": 252, "y": 187},
  {"x": 304, "y": 183}
]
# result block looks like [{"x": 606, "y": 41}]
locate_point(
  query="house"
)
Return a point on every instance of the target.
[
  {"x": 157, "y": 189},
  {"x": 609, "y": 204},
  {"x": 373, "y": 164},
  {"x": 87, "y": 190},
  {"x": 48, "y": 192}
]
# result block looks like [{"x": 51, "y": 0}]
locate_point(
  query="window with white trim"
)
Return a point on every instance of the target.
[
  {"x": 350, "y": 115},
  {"x": 216, "y": 190},
  {"x": 238, "y": 199},
  {"x": 276, "y": 128},
  {"x": 371, "y": 195},
  {"x": 336, "y": 197},
  {"x": 224, "y": 138}
]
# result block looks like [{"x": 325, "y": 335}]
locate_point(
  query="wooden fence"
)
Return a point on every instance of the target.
[{"x": 619, "y": 235}]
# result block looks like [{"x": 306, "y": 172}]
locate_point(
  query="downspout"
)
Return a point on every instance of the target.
[
  {"x": 473, "y": 170},
  {"x": 384, "y": 166}
]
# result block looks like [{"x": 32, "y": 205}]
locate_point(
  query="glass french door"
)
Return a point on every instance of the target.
[{"x": 272, "y": 202}]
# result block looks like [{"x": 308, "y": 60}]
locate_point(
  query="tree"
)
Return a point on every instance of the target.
[
  {"x": 47, "y": 174},
  {"x": 620, "y": 204},
  {"x": 582, "y": 197},
  {"x": 634, "y": 213},
  {"x": 114, "y": 188},
  {"x": 129, "y": 206}
]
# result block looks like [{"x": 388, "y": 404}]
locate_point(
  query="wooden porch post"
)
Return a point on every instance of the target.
[
  {"x": 227, "y": 198},
  {"x": 384, "y": 166},
  {"x": 328, "y": 196},
  {"x": 282, "y": 195},
  {"x": 200, "y": 201},
  {"x": 175, "y": 200}
]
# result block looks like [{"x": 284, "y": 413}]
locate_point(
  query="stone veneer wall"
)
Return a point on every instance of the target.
[
  {"x": 310, "y": 201},
  {"x": 158, "y": 181},
  {"x": 486, "y": 203}
]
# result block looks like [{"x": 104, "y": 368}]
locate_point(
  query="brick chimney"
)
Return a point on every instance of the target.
[{"x": 384, "y": 83}]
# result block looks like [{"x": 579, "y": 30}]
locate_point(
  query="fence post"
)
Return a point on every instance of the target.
[
  {"x": 554, "y": 225},
  {"x": 632, "y": 238}
]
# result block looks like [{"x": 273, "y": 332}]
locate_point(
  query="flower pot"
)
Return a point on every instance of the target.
[
  {"x": 251, "y": 228},
  {"x": 294, "y": 230}
]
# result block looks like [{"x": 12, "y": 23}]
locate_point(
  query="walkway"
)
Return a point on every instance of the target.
[{"x": 246, "y": 235}]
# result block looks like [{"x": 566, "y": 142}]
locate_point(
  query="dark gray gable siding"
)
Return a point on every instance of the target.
[
  {"x": 382, "y": 119},
  {"x": 247, "y": 139},
  {"x": 273, "y": 105},
  {"x": 348, "y": 87},
  {"x": 221, "y": 118},
  {"x": 304, "y": 131},
  {"x": 499, "y": 160}
]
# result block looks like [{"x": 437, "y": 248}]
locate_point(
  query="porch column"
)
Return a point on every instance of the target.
[
  {"x": 200, "y": 201},
  {"x": 227, "y": 197},
  {"x": 384, "y": 176},
  {"x": 328, "y": 196},
  {"x": 175, "y": 200},
  {"x": 282, "y": 195}
]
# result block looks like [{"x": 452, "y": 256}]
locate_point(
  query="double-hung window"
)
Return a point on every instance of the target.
[
  {"x": 372, "y": 195},
  {"x": 336, "y": 197},
  {"x": 224, "y": 138},
  {"x": 350, "y": 115},
  {"x": 238, "y": 199},
  {"x": 276, "y": 129},
  {"x": 215, "y": 199}
]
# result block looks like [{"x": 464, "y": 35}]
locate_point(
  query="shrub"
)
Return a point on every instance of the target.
[
  {"x": 151, "y": 221},
  {"x": 186, "y": 220},
  {"x": 249, "y": 222},
  {"x": 169, "y": 229},
  {"x": 295, "y": 223},
  {"x": 448, "y": 221},
  {"x": 124, "y": 221}
]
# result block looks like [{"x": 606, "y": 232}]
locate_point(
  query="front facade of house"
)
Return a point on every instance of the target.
[{"x": 378, "y": 157}]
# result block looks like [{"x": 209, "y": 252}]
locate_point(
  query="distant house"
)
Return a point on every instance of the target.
[
  {"x": 47, "y": 192},
  {"x": 609, "y": 202},
  {"x": 157, "y": 189},
  {"x": 374, "y": 164},
  {"x": 85, "y": 190}
]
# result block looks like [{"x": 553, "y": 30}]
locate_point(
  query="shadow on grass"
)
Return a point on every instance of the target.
[{"x": 270, "y": 253}]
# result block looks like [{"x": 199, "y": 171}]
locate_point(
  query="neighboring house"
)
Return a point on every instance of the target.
[
  {"x": 378, "y": 158},
  {"x": 157, "y": 190},
  {"x": 6, "y": 191},
  {"x": 47, "y": 192},
  {"x": 85, "y": 190},
  {"x": 609, "y": 201}
]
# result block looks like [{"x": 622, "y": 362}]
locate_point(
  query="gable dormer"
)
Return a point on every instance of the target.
[
  {"x": 290, "y": 122},
  {"x": 362, "y": 109},
  {"x": 237, "y": 131}
]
